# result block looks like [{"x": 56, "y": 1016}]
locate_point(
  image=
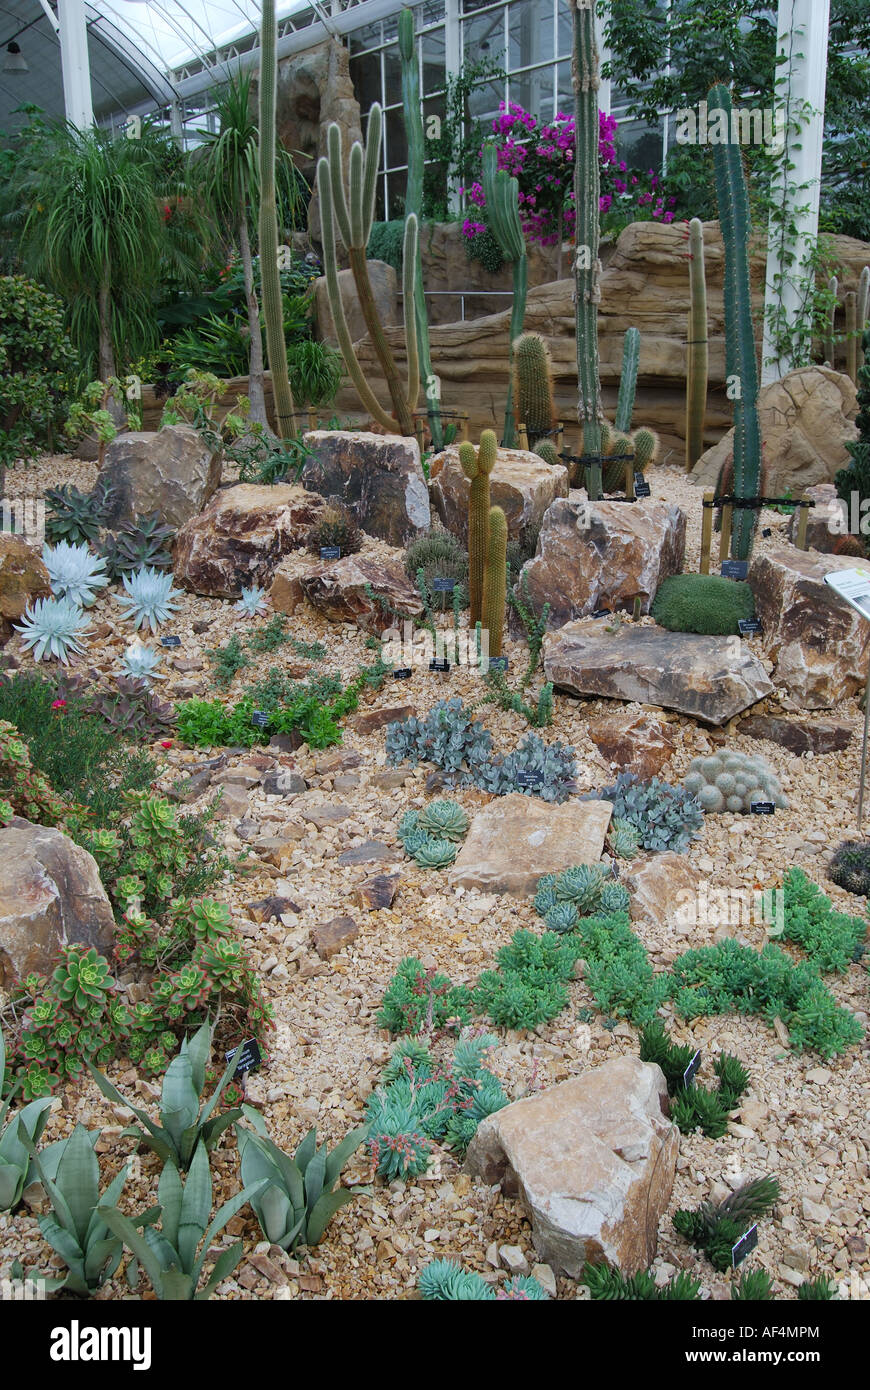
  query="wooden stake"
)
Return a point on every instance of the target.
[
  {"x": 629, "y": 478},
  {"x": 706, "y": 532},
  {"x": 523, "y": 437},
  {"x": 803, "y": 518},
  {"x": 725, "y": 541}
]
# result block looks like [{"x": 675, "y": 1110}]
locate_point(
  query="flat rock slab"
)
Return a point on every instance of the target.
[
  {"x": 593, "y": 1162},
  {"x": 379, "y": 477},
  {"x": 332, "y": 813},
  {"x": 798, "y": 735},
  {"x": 641, "y": 745},
  {"x": 372, "y": 852},
  {"x": 377, "y": 892},
  {"x": 700, "y": 676},
  {"x": 663, "y": 889},
  {"x": 521, "y": 483},
  {"x": 516, "y": 839},
  {"x": 370, "y": 720},
  {"x": 342, "y": 590}
]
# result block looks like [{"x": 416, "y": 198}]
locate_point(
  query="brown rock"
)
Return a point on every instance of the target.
[
  {"x": 171, "y": 472},
  {"x": 379, "y": 477},
  {"x": 328, "y": 814},
  {"x": 370, "y": 720},
  {"x": 50, "y": 896},
  {"x": 332, "y": 937},
  {"x": 372, "y": 852},
  {"x": 701, "y": 676},
  {"x": 798, "y": 735},
  {"x": 602, "y": 555},
  {"x": 664, "y": 890},
  {"x": 23, "y": 579},
  {"x": 521, "y": 483},
  {"x": 806, "y": 421},
  {"x": 825, "y": 521},
  {"x": 241, "y": 536},
  {"x": 592, "y": 1161},
  {"x": 389, "y": 780},
  {"x": 338, "y": 760},
  {"x": 377, "y": 892},
  {"x": 338, "y": 590},
  {"x": 516, "y": 839},
  {"x": 272, "y": 907},
  {"x": 385, "y": 290},
  {"x": 819, "y": 642},
  {"x": 641, "y": 745}
]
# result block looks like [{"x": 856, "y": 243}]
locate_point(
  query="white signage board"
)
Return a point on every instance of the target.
[{"x": 854, "y": 587}]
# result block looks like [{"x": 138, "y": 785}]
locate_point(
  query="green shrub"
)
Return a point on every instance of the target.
[
  {"x": 703, "y": 603},
  {"x": 529, "y": 987},
  {"x": 35, "y": 359},
  {"x": 831, "y": 939},
  {"x": 385, "y": 243},
  {"x": 715, "y": 1229}
]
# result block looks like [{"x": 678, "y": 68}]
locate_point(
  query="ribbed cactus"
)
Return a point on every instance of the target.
[
  {"x": 628, "y": 379},
  {"x": 587, "y": 266},
  {"x": 863, "y": 311},
  {"x": 503, "y": 218},
  {"x": 618, "y": 445},
  {"x": 546, "y": 450},
  {"x": 353, "y": 212},
  {"x": 495, "y": 580},
  {"x": 645, "y": 446},
  {"x": 533, "y": 384},
  {"x": 697, "y": 348},
  {"x": 851, "y": 306},
  {"x": 270, "y": 280},
  {"x": 477, "y": 464},
  {"x": 413, "y": 113},
  {"x": 741, "y": 360},
  {"x": 830, "y": 344}
]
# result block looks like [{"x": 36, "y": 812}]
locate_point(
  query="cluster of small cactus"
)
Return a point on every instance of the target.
[
  {"x": 640, "y": 449},
  {"x": 732, "y": 782},
  {"x": 487, "y": 541},
  {"x": 431, "y": 838},
  {"x": 445, "y": 1281},
  {"x": 336, "y": 526},
  {"x": 582, "y": 891},
  {"x": 850, "y": 867},
  {"x": 440, "y": 556}
]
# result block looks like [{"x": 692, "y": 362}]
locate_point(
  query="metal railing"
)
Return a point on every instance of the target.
[{"x": 461, "y": 295}]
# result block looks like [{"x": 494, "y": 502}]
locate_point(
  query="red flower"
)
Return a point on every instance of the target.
[
  {"x": 58, "y": 704},
  {"x": 166, "y": 743}
]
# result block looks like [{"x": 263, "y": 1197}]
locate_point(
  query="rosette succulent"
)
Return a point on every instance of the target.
[
  {"x": 435, "y": 854},
  {"x": 149, "y": 597},
  {"x": 253, "y": 602},
  {"x": 82, "y": 978},
  {"x": 75, "y": 573},
  {"x": 52, "y": 627},
  {"x": 140, "y": 663},
  {"x": 446, "y": 820}
]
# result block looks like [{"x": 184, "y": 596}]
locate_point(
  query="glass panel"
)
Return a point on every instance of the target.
[
  {"x": 530, "y": 33},
  {"x": 469, "y": 6},
  {"x": 483, "y": 102},
  {"x": 534, "y": 91},
  {"x": 362, "y": 39},
  {"x": 565, "y": 89},
  {"x": 433, "y": 61},
  {"x": 640, "y": 145},
  {"x": 396, "y": 193},
  {"x": 392, "y": 75},
  {"x": 365, "y": 74},
  {"x": 565, "y": 33},
  {"x": 397, "y": 140},
  {"x": 483, "y": 37}
]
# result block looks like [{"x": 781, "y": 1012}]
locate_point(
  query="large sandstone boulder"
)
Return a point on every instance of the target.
[
  {"x": 806, "y": 419},
  {"x": 50, "y": 896},
  {"x": 710, "y": 678},
  {"x": 593, "y": 1162},
  {"x": 380, "y": 477},
  {"x": 516, "y": 839},
  {"x": 602, "y": 555},
  {"x": 818, "y": 641},
  {"x": 385, "y": 290},
  {"x": 241, "y": 536},
  {"x": 338, "y": 589},
  {"x": 23, "y": 579},
  {"x": 170, "y": 471},
  {"x": 521, "y": 483},
  {"x": 641, "y": 744}
]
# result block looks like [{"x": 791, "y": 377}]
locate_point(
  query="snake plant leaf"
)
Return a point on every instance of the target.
[
  {"x": 341, "y": 1153},
  {"x": 306, "y": 1150},
  {"x": 96, "y": 1226},
  {"x": 102, "y": 1259},
  {"x": 314, "y": 1175},
  {"x": 170, "y": 1192},
  {"x": 179, "y": 1101},
  {"x": 196, "y": 1205},
  {"x": 274, "y": 1212},
  {"x": 198, "y": 1049},
  {"x": 223, "y": 1268},
  {"x": 224, "y": 1214},
  {"x": 62, "y": 1241},
  {"x": 78, "y": 1178},
  {"x": 176, "y": 1286},
  {"x": 327, "y": 1204},
  {"x": 136, "y": 1242},
  {"x": 11, "y": 1185}
]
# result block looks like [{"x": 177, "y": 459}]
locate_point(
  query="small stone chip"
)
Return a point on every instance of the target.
[
  {"x": 332, "y": 937},
  {"x": 377, "y": 892}
]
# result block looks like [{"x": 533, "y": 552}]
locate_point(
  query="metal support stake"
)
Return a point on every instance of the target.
[{"x": 864, "y": 751}]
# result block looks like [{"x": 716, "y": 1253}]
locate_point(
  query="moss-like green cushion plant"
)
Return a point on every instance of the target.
[{"x": 702, "y": 603}]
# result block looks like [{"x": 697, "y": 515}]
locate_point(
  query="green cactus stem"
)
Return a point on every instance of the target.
[
  {"x": 618, "y": 447},
  {"x": 645, "y": 447},
  {"x": 351, "y": 214},
  {"x": 533, "y": 386},
  {"x": 741, "y": 361},
  {"x": 270, "y": 281},
  {"x": 495, "y": 580},
  {"x": 477, "y": 465},
  {"x": 413, "y": 114},
  {"x": 587, "y": 265},
  {"x": 503, "y": 217},
  {"x": 830, "y": 344},
  {"x": 628, "y": 379},
  {"x": 863, "y": 311},
  {"x": 697, "y": 347},
  {"x": 546, "y": 450}
]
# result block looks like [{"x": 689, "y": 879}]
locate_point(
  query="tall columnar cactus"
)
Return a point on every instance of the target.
[
  {"x": 353, "y": 213},
  {"x": 270, "y": 280},
  {"x": 863, "y": 311},
  {"x": 477, "y": 464},
  {"x": 587, "y": 265},
  {"x": 741, "y": 361},
  {"x": 495, "y": 580},
  {"x": 533, "y": 384},
  {"x": 851, "y": 304},
  {"x": 830, "y": 343},
  {"x": 413, "y": 113},
  {"x": 628, "y": 379},
  {"x": 697, "y": 348},
  {"x": 503, "y": 216}
]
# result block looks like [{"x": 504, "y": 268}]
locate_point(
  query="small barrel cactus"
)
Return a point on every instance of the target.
[
  {"x": 446, "y": 820},
  {"x": 732, "y": 782},
  {"x": 850, "y": 867}
]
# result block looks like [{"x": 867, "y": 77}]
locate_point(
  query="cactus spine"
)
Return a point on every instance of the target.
[
  {"x": 627, "y": 379},
  {"x": 273, "y": 306},
  {"x": 533, "y": 376},
  {"x": 501, "y": 193},
  {"x": 495, "y": 580},
  {"x": 477, "y": 464},
  {"x": 697, "y": 347},
  {"x": 412, "y": 110},
  {"x": 353, "y": 213},
  {"x": 739, "y": 337},
  {"x": 587, "y": 266},
  {"x": 546, "y": 450},
  {"x": 852, "y": 336}
]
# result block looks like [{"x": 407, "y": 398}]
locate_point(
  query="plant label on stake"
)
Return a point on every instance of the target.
[
  {"x": 170, "y": 641},
  {"x": 734, "y": 569},
  {"x": 247, "y": 1056},
  {"x": 402, "y": 673},
  {"x": 330, "y": 552},
  {"x": 641, "y": 486},
  {"x": 260, "y": 719},
  {"x": 691, "y": 1069},
  {"x": 529, "y": 779},
  {"x": 602, "y": 613},
  {"x": 439, "y": 664},
  {"x": 742, "y": 1247},
  {"x": 762, "y": 808},
  {"x": 443, "y": 586}
]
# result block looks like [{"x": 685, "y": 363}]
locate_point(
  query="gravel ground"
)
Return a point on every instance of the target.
[{"x": 805, "y": 1121}]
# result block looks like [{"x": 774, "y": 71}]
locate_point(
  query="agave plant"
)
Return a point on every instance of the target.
[
  {"x": 77, "y": 516},
  {"x": 299, "y": 1196},
  {"x": 140, "y": 663},
  {"x": 16, "y": 1165},
  {"x": 149, "y": 597},
  {"x": 136, "y": 543},
  {"x": 253, "y": 602},
  {"x": 52, "y": 627},
  {"x": 75, "y": 573}
]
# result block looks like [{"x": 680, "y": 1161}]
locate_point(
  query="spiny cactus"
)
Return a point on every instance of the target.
[
  {"x": 697, "y": 350},
  {"x": 618, "y": 447},
  {"x": 732, "y": 782},
  {"x": 353, "y": 212},
  {"x": 628, "y": 379},
  {"x": 270, "y": 281},
  {"x": 533, "y": 378},
  {"x": 587, "y": 265},
  {"x": 495, "y": 580},
  {"x": 503, "y": 216},
  {"x": 863, "y": 312},
  {"x": 645, "y": 446},
  {"x": 477, "y": 464},
  {"x": 546, "y": 450}
]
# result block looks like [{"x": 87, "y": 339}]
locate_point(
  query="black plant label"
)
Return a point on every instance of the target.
[
  {"x": 529, "y": 779},
  {"x": 744, "y": 1246},
  {"x": 260, "y": 719},
  {"x": 762, "y": 808},
  {"x": 402, "y": 673},
  {"x": 641, "y": 486},
  {"x": 734, "y": 569},
  {"x": 439, "y": 664},
  {"x": 691, "y": 1070},
  {"x": 747, "y": 625},
  {"x": 330, "y": 552},
  {"x": 170, "y": 641},
  {"x": 247, "y": 1057},
  {"x": 443, "y": 586}
]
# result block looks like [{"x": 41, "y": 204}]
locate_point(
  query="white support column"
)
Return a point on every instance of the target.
[
  {"x": 75, "y": 64},
  {"x": 603, "y": 57},
  {"x": 452, "y": 64},
  {"x": 802, "y": 45}
]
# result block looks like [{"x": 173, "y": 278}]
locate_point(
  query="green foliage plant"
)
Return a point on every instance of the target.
[
  {"x": 529, "y": 987},
  {"x": 75, "y": 516},
  {"x": 300, "y": 1195},
  {"x": 417, "y": 1000},
  {"x": 35, "y": 359},
  {"x": 607, "y": 1283},
  {"x": 664, "y": 816},
  {"x": 445, "y": 1281},
  {"x": 16, "y": 1164},
  {"x": 693, "y": 1106},
  {"x": 703, "y": 603},
  {"x": 715, "y": 1229},
  {"x": 831, "y": 940}
]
